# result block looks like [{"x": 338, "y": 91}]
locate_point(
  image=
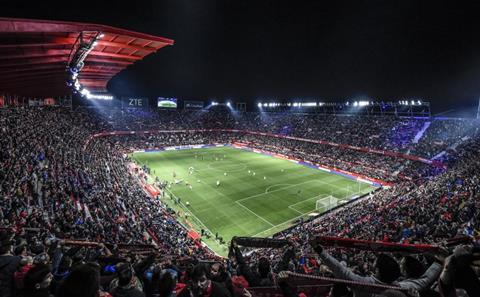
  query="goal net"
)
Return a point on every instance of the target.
[{"x": 326, "y": 203}]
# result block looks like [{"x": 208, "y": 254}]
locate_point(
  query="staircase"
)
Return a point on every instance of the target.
[{"x": 421, "y": 132}]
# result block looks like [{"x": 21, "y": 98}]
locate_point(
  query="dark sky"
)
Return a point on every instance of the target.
[{"x": 245, "y": 50}]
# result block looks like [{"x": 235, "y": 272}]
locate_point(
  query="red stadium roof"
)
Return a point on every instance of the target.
[{"x": 35, "y": 54}]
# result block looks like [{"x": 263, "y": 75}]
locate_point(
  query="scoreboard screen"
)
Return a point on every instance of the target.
[{"x": 167, "y": 102}]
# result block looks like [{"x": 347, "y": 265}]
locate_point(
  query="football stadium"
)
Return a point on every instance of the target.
[
  {"x": 241, "y": 193},
  {"x": 182, "y": 148}
]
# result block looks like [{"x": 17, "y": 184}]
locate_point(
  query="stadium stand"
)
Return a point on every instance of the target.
[{"x": 75, "y": 222}]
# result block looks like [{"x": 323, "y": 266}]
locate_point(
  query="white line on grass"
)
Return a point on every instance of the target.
[
  {"x": 254, "y": 213},
  {"x": 240, "y": 205},
  {"x": 191, "y": 212},
  {"x": 266, "y": 191},
  {"x": 253, "y": 196},
  {"x": 287, "y": 221},
  {"x": 291, "y": 206},
  {"x": 343, "y": 189}
]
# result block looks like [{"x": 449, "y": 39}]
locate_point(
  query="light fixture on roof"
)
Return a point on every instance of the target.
[
  {"x": 85, "y": 92},
  {"x": 363, "y": 103},
  {"x": 77, "y": 85},
  {"x": 99, "y": 96}
]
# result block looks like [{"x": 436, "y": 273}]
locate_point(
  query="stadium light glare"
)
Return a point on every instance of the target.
[
  {"x": 259, "y": 105},
  {"x": 85, "y": 92},
  {"x": 363, "y": 103},
  {"x": 77, "y": 85},
  {"x": 99, "y": 97},
  {"x": 229, "y": 104}
]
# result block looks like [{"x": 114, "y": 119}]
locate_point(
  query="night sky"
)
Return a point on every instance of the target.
[{"x": 323, "y": 50}]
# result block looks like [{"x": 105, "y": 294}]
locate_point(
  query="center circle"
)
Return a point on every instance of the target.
[{"x": 226, "y": 166}]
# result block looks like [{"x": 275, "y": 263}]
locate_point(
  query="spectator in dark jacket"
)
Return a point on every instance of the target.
[
  {"x": 387, "y": 271},
  {"x": 8, "y": 265},
  {"x": 37, "y": 281},
  {"x": 83, "y": 281},
  {"x": 127, "y": 282}
]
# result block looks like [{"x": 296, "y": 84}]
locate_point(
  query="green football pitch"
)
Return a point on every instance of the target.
[{"x": 257, "y": 195}]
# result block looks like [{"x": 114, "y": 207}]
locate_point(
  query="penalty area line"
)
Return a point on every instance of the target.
[{"x": 261, "y": 218}]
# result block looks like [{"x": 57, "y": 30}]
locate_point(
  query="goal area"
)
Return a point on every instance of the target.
[{"x": 326, "y": 203}]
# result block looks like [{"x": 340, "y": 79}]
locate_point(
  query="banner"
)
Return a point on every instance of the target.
[
  {"x": 134, "y": 102},
  {"x": 258, "y": 242},
  {"x": 377, "y": 246},
  {"x": 193, "y": 104},
  {"x": 49, "y": 101}
]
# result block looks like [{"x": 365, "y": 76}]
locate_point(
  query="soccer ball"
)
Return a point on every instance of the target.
[
  {"x": 264, "y": 177},
  {"x": 225, "y": 174},
  {"x": 187, "y": 203}
]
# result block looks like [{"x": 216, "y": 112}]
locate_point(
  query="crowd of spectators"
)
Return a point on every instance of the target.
[
  {"x": 56, "y": 187},
  {"x": 378, "y": 132},
  {"x": 443, "y": 134}
]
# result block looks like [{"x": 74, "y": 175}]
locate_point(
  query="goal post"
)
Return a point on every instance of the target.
[{"x": 326, "y": 203}]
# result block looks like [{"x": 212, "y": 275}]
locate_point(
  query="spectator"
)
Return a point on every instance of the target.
[
  {"x": 37, "y": 281},
  {"x": 8, "y": 265}
]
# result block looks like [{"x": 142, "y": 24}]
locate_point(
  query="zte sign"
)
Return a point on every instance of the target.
[{"x": 136, "y": 102}]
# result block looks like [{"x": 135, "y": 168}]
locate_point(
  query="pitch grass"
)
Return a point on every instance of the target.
[{"x": 244, "y": 204}]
